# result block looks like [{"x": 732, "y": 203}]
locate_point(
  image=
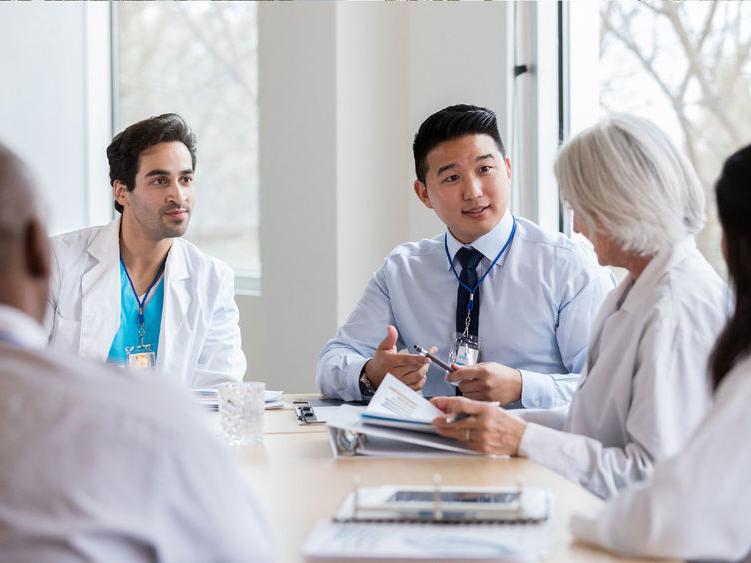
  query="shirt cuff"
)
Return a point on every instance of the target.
[
  {"x": 354, "y": 368},
  {"x": 537, "y": 390},
  {"x": 534, "y": 440}
]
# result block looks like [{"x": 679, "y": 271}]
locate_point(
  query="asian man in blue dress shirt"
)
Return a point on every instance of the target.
[{"x": 508, "y": 303}]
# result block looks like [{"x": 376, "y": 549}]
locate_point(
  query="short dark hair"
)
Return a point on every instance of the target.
[
  {"x": 127, "y": 146},
  {"x": 451, "y": 123}
]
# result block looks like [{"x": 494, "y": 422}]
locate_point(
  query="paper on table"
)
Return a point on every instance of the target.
[
  {"x": 395, "y": 400},
  {"x": 434, "y": 542},
  {"x": 323, "y": 414},
  {"x": 210, "y": 399},
  {"x": 272, "y": 396}
]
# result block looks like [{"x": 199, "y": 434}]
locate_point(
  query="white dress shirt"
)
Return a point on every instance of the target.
[
  {"x": 698, "y": 503},
  {"x": 644, "y": 390},
  {"x": 536, "y": 307},
  {"x": 199, "y": 338},
  {"x": 98, "y": 465}
]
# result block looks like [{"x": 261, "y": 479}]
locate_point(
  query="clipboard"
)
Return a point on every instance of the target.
[
  {"x": 349, "y": 436},
  {"x": 358, "y": 534},
  {"x": 533, "y": 506},
  {"x": 316, "y": 411}
]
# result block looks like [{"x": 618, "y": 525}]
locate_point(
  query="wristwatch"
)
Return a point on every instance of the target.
[{"x": 366, "y": 387}]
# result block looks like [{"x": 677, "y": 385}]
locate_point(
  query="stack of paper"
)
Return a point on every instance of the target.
[
  {"x": 432, "y": 542},
  {"x": 396, "y": 405},
  {"x": 209, "y": 399}
]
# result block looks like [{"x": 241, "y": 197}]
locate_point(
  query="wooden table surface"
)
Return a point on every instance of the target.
[{"x": 297, "y": 482}]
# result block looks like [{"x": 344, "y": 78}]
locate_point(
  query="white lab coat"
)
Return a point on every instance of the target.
[
  {"x": 644, "y": 390},
  {"x": 697, "y": 504},
  {"x": 199, "y": 340}
]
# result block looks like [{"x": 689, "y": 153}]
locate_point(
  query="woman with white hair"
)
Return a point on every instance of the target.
[
  {"x": 696, "y": 506},
  {"x": 639, "y": 202}
]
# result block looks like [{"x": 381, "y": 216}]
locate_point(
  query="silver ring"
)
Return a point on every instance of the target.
[{"x": 467, "y": 434}]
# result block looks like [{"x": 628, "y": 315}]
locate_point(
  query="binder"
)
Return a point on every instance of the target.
[{"x": 350, "y": 436}]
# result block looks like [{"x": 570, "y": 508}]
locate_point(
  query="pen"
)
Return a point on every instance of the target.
[
  {"x": 439, "y": 362},
  {"x": 457, "y": 416}
]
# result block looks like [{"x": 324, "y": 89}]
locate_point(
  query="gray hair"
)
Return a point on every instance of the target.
[
  {"x": 625, "y": 179},
  {"x": 19, "y": 201}
]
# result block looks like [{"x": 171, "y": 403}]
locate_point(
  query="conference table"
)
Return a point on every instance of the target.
[{"x": 298, "y": 482}]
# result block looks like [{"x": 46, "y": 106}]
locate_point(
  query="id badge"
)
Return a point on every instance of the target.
[
  {"x": 140, "y": 357},
  {"x": 465, "y": 351}
]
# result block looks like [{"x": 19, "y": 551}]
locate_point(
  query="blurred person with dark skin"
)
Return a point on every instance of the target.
[
  {"x": 696, "y": 506},
  {"x": 508, "y": 303},
  {"x": 640, "y": 203},
  {"x": 98, "y": 465},
  {"x": 134, "y": 292}
]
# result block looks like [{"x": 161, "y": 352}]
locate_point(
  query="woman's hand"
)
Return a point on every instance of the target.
[{"x": 488, "y": 428}]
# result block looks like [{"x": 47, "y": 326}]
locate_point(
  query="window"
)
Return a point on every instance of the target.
[
  {"x": 687, "y": 67},
  {"x": 199, "y": 59}
]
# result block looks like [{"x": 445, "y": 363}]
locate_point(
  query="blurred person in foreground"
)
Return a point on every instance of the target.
[
  {"x": 99, "y": 465},
  {"x": 696, "y": 506},
  {"x": 643, "y": 391}
]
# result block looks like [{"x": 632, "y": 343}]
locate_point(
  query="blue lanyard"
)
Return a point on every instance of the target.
[
  {"x": 142, "y": 302},
  {"x": 472, "y": 290}
]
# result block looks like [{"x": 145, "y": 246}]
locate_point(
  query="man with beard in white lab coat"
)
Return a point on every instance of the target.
[
  {"x": 97, "y": 465},
  {"x": 133, "y": 292}
]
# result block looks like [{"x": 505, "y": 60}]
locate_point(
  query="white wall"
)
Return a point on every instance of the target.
[
  {"x": 54, "y": 103},
  {"x": 457, "y": 54},
  {"x": 373, "y": 149}
]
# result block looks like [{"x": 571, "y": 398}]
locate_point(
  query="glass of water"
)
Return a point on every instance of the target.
[{"x": 241, "y": 412}]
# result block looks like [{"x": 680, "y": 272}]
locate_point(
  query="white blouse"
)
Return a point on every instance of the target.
[
  {"x": 644, "y": 389},
  {"x": 698, "y": 503}
]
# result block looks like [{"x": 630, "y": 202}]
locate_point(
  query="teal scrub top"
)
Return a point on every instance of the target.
[{"x": 127, "y": 334}]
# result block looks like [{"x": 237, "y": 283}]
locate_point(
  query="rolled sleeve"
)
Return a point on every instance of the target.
[
  {"x": 342, "y": 358},
  {"x": 546, "y": 390}
]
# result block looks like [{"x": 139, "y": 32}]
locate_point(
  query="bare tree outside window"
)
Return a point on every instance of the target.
[
  {"x": 687, "y": 67},
  {"x": 199, "y": 59}
]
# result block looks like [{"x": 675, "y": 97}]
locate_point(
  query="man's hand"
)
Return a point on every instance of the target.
[
  {"x": 410, "y": 369},
  {"x": 489, "y": 381},
  {"x": 488, "y": 429}
]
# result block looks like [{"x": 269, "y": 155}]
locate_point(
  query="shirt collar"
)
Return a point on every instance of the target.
[
  {"x": 21, "y": 328},
  {"x": 661, "y": 262},
  {"x": 488, "y": 244}
]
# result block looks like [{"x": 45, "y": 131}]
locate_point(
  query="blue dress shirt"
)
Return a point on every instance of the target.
[
  {"x": 127, "y": 334},
  {"x": 537, "y": 306}
]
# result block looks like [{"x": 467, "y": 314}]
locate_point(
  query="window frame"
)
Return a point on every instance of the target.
[{"x": 246, "y": 283}]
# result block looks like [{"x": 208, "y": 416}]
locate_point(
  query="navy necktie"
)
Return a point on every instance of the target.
[{"x": 469, "y": 258}]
